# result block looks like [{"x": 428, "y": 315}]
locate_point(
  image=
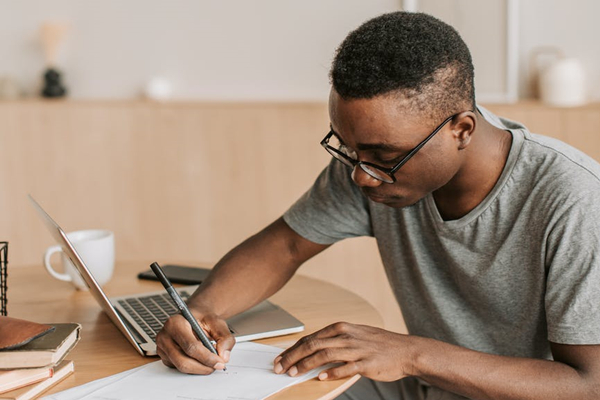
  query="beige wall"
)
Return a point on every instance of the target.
[
  {"x": 256, "y": 50},
  {"x": 208, "y": 49}
]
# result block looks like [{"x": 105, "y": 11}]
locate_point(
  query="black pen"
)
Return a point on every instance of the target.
[{"x": 185, "y": 311}]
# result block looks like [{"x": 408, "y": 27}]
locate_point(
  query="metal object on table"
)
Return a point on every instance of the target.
[{"x": 3, "y": 276}]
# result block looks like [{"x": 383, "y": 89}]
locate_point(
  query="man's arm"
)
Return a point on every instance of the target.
[
  {"x": 254, "y": 270},
  {"x": 574, "y": 374},
  {"x": 248, "y": 274},
  {"x": 387, "y": 356}
]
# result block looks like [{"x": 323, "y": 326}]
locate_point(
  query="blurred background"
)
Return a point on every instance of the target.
[{"x": 185, "y": 126}]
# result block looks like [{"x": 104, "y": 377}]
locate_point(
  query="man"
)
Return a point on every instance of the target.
[{"x": 490, "y": 236}]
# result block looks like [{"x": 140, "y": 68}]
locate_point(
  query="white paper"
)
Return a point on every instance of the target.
[
  {"x": 249, "y": 376},
  {"x": 78, "y": 392}
]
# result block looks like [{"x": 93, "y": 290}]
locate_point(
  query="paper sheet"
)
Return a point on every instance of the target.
[{"x": 249, "y": 376}]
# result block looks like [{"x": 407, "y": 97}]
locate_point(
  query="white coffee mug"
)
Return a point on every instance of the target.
[{"x": 97, "y": 250}]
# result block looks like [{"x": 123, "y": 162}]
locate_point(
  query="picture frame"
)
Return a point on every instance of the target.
[{"x": 491, "y": 30}]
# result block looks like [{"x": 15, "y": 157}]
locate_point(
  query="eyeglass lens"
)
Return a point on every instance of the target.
[
  {"x": 376, "y": 173},
  {"x": 348, "y": 157}
]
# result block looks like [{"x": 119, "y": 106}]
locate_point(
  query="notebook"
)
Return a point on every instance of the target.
[
  {"x": 30, "y": 392},
  {"x": 139, "y": 317}
]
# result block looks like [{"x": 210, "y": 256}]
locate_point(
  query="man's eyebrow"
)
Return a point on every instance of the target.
[
  {"x": 378, "y": 146},
  {"x": 371, "y": 146}
]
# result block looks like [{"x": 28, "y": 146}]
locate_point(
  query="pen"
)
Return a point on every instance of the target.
[{"x": 185, "y": 311}]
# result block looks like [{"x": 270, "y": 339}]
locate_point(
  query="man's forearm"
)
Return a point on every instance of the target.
[
  {"x": 254, "y": 270},
  {"x": 484, "y": 376}
]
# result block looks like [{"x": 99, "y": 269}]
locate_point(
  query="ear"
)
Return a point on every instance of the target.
[{"x": 463, "y": 127}]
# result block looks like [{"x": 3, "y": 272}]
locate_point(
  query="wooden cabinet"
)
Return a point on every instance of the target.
[
  {"x": 578, "y": 126},
  {"x": 188, "y": 181}
]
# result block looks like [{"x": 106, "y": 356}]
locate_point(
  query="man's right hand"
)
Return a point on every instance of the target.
[
  {"x": 179, "y": 348},
  {"x": 253, "y": 270}
]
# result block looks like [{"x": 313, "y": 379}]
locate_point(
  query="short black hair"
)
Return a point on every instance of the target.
[{"x": 414, "y": 55}]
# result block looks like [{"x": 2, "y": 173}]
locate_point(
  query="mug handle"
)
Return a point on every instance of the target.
[{"x": 51, "y": 250}]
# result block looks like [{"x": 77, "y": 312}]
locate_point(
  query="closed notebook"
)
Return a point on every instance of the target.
[
  {"x": 16, "y": 332},
  {"x": 16, "y": 378},
  {"x": 46, "y": 350},
  {"x": 61, "y": 371}
]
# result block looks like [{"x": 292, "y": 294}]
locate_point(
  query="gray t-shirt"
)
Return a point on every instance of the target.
[{"x": 519, "y": 270}]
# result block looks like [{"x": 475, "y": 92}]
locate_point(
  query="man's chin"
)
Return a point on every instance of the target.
[{"x": 394, "y": 202}]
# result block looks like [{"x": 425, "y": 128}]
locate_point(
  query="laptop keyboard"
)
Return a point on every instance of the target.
[{"x": 151, "y": 312}]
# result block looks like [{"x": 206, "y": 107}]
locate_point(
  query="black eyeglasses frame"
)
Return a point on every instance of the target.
[{"x": 365, "y": 165}]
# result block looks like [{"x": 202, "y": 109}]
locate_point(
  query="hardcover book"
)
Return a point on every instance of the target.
[
  {"x": 43, "y": 351},
  {"x": 16, "y": 332},
  {"x": 16, "y": 378},
  {"x": 61, "y": 371}
]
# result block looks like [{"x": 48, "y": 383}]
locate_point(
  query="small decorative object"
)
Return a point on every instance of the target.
[
  {"x": 3, "y": 276},
  {"x": 159, "y": 89},
  {"x": 52, "y": 34},
  {"x": 563, "y": 83},
  {"x": 560, "y": 80},
  {"x": 9, "y": 88}
]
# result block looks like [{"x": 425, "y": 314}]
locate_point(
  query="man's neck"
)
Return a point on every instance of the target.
[{"x": 484, "y": 162}]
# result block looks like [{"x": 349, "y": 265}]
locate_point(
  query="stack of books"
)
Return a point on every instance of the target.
[{"x": 33, "y": 356}]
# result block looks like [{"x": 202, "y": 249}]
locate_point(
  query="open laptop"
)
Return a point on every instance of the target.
[{"x": 139, "y": 317}]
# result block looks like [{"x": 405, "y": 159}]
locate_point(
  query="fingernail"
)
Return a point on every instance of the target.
[
  {"x": 278, "y": 368},
  {"x": 219, "y": 365},
  {"x": 293, "y": 371},
  {"x": 322, "y": 376},
  {"x": 277, "y": 359},
  {"x": 226, "y": 355}
]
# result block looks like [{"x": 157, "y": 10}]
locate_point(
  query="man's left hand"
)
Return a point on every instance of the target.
[{"x": 371, "y": 352}]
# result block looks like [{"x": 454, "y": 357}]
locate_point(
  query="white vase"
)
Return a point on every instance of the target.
[{"x": 563, "y": 83}]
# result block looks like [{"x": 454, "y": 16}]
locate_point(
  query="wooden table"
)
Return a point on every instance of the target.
[{"x": 103, "y": 350}]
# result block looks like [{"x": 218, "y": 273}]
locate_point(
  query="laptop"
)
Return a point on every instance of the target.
[{"x": 139, "y": 317}]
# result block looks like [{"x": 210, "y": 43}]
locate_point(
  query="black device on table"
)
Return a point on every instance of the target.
[{"x": 179, "y": 274}]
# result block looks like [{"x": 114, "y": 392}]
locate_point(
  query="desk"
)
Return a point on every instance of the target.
[{"x": 103, "y": 350}]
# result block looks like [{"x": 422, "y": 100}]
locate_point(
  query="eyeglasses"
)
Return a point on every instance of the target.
[{"x": 342, "y": 153}]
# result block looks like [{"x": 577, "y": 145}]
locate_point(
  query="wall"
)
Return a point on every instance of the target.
[
  {"x": 243, "y": 50},
  {"x": 217, "y": 50},
  {"x": 569, "y": 25}
]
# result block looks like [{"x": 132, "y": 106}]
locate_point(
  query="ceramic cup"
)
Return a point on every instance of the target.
[{"x": 97, "y": 250}]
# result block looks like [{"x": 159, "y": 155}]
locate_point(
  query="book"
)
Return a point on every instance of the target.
[
  {"x": 16, "y": 332},
  {"x": 61, "y": 371},
  {"x": 16, "y": 378},
  {"x": 46, "y": 350}
]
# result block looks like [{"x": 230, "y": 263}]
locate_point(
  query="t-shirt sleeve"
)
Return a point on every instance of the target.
[
  {"x": 572, "y": 298},
  {"x": 333, "y": 209}
]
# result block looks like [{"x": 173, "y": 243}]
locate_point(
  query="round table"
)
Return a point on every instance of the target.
[{"x": 102, "y": 351}]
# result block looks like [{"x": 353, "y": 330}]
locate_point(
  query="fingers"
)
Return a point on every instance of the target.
[
  {"x": 325, "y": 346},
  {"x": 220, "y": 332},
  {"x": 356, "y": 349},
  {"x": 322, "y": 357},
  {"x": 313, "y": 340},
  {"x": 173, "y": 356},
  {"x": 343, "y": 371},
  {"x": 178, "y": 346}
]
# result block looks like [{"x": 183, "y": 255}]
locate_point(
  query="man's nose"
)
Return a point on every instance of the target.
[{"x": 362, "y": 179}]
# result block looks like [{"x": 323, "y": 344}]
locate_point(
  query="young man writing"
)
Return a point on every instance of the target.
[{"x": 490, "y": 236}]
